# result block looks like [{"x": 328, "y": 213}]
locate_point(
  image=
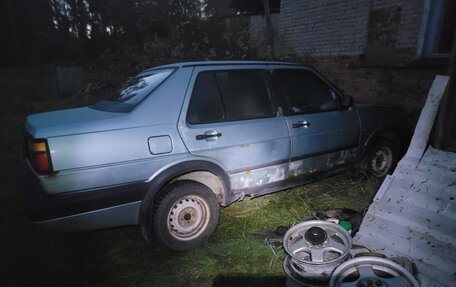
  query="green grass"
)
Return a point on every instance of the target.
[
  {"x": 234, "y": 250},
  {"x": 121, "y": 257}
]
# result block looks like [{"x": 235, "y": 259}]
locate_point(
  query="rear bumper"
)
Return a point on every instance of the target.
[{"x": 82, "y": 210}]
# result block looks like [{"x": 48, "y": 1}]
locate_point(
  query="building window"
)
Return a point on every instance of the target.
[{"x": 440, "y": 28}]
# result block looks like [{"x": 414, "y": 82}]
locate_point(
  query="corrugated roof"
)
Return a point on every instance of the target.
[{"x": 414, "y": 212}]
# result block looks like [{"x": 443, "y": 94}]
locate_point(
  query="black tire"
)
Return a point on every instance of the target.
[
  {"x": 381, "y": 158},
  {"x": 186, "y": 214}
]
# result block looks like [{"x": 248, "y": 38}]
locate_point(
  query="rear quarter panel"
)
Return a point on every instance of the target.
[{"x": 98, "y": 154}]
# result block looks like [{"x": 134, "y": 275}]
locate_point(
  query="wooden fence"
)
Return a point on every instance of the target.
[{"x": 46, "y": 79}]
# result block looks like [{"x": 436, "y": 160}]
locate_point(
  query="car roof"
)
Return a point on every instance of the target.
[{"x": 220, "y": 63}]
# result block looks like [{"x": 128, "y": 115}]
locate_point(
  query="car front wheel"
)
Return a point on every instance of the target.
[
  {"x": 186, "y": 214},
  {"x": 382, "y": 158}
]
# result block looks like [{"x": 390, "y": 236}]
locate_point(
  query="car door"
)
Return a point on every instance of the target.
[
  {"x": 323, "y": 133},
  {"x": 231, "y": 117}
]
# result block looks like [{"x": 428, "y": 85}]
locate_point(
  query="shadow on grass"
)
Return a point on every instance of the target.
[{"x": 121, "y": 257}]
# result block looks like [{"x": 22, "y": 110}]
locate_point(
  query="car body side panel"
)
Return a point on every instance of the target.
[
  {"x": 328, "y": 131},
  {"x": 102, "y": 176},
  {"x": 242, "y": 144},
  {"x": 95, "y": 152},
  {"x": 289, "y": 170},
  {"x": 120, "y": 215},
  {"x": 323, "y": 132},
  {"x": 380, "y": 118},
  {"x": 101, "y": 156},
  {"x": 95, "y": 149},
  {"x": 165, "y": 103}
]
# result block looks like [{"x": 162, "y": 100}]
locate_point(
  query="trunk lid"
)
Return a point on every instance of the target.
[{"x": 69, "y": 121}]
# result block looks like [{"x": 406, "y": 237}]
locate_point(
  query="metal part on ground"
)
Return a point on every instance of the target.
[
  {"x": 369, "y": 271},
  {"x": 315, "y": 248}
]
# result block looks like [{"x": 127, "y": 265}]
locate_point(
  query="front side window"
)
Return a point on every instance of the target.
[
  {"x": 304, "y": 92},
  {"x": 230, "y": 96}
]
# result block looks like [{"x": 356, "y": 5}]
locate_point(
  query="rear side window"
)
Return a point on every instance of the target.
[
  {"x": 230, "y": 96},
  {"x": 304, "y": 92},
  {"x": 140, "y": 86},
  {"x": 206, "y": 103}
]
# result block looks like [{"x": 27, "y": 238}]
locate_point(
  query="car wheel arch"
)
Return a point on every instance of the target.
[
  {"x": 205, "y": 172},
  {"x": 387, "y": 132}
]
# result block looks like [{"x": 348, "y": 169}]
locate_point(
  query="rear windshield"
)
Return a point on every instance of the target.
[{"x": 133, "y": 92}]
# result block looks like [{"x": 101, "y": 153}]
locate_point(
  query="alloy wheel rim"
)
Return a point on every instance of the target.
[{"x": 371, "y": 271}]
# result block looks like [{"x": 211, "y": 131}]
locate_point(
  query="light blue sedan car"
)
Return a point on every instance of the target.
[{"x": 180, "y": 140}]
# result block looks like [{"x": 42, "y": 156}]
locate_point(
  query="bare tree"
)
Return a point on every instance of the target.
[{"x": 269, "y": 27}]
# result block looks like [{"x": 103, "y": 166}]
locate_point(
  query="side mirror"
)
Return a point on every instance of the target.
[{"x": 347, "y": 101}]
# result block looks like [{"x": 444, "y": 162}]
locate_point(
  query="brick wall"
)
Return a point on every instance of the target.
[
  {"x": 344, "y": 27},
  {"x": 367, "y": 48},
  {"x": 405, "y": 87},
  {"x": 325, "y": 27}
]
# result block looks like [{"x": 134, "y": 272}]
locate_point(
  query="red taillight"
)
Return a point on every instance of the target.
[
  {"x": 39, "y": 156},
  {"x": 41, "y": 162}
]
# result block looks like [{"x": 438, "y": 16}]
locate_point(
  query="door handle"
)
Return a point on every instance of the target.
[
  {"x": 300, "y": 124},
  {"x": 209, "y": 136}
]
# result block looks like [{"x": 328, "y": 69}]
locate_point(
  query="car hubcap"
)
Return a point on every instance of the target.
[
  {"x": 188, "y": 217},
  {"x": 381, "y": 161}
]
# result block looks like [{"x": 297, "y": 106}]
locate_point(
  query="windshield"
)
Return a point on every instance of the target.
[{"x": 134, "y": 91}]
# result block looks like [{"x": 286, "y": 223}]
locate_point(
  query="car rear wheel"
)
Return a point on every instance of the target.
[
  {"x": 381, "y": 158},
  {"x": 186, "y": 214}
]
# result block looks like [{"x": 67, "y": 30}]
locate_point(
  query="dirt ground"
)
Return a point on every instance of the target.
[
  {"x": 32, "y": 257},
  {"x": 29, "y": 256}
]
